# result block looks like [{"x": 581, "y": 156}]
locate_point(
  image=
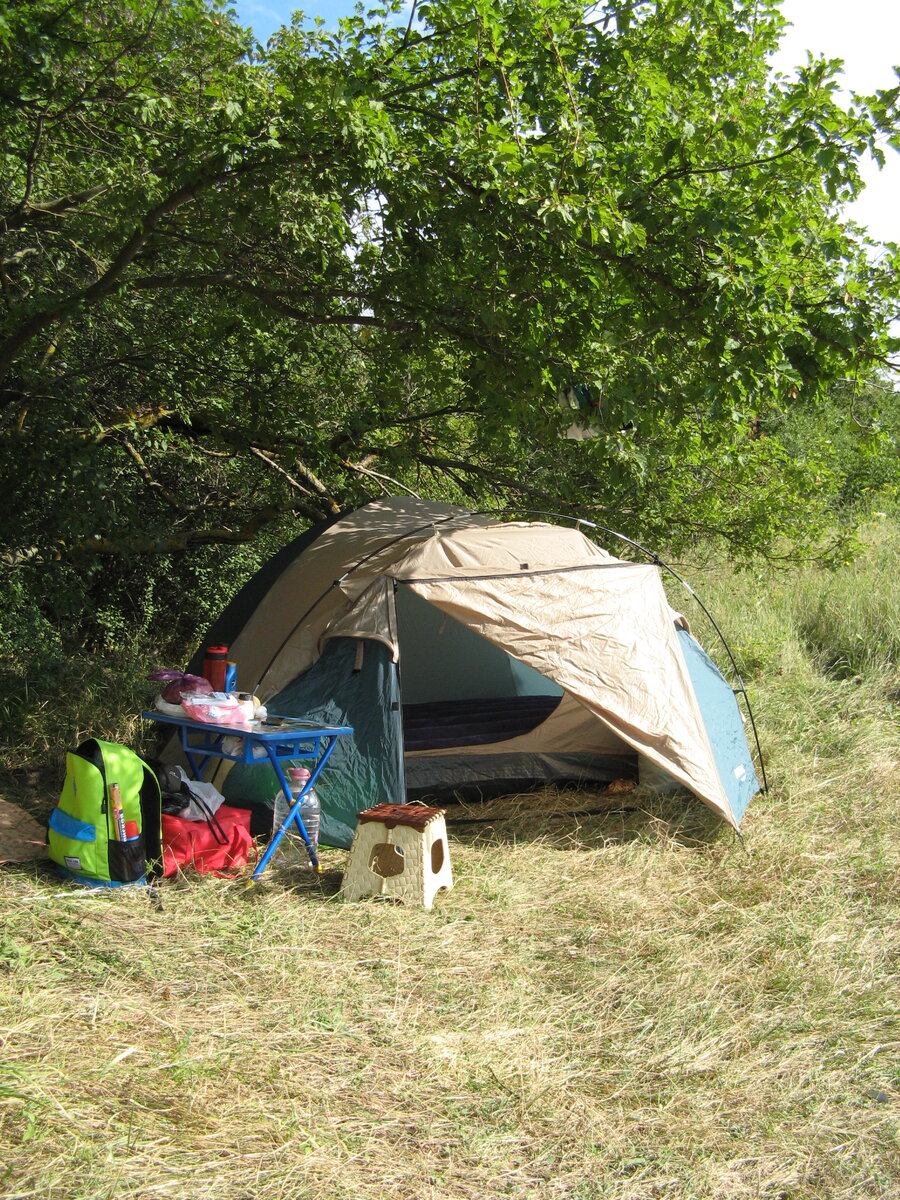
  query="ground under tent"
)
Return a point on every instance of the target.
[{"x": 477, "y": 656}]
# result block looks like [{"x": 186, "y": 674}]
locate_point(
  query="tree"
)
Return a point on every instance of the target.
[{"x": 242, "y": 287}]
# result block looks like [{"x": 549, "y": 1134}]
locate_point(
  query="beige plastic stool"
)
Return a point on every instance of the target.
[{"x": 399, "y": 851}]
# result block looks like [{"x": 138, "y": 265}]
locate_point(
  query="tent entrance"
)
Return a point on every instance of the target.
[
  {"x": 478, "y": 722},
  {"x": 442, "y": 660}
]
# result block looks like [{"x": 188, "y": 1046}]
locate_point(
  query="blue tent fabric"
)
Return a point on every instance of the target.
[
  {"x": 724, "y": 726},
  {"x": 354, "y": 682}
]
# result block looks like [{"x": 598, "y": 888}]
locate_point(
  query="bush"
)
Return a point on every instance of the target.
[{"x": 77, "y": 642}]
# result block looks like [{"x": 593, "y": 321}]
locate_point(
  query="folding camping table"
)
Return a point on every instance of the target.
[{"x": 281, "y": 738}]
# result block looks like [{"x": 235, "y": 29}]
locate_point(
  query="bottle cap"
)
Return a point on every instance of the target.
[
  {"x": 299, "y": 773},
  {"x": 131, "y": 829}
]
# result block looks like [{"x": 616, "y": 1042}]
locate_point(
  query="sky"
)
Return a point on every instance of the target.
[{"x": 864, "y": 33}]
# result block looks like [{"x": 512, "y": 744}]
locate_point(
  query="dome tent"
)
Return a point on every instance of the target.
[{"x": 470, "y": 653}]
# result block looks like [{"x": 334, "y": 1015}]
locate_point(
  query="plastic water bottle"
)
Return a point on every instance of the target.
[{"x": 310, "y": 811}]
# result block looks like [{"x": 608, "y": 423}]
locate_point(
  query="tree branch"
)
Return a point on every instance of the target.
[
  {"x": 153, "y": 483},
  {"x": 270, "y": 298},
  {"x": 362, "y": 470},
  {"x": 27, "y": 212},
  {"x": 486, "y": 474},
  {"x": 109, "y": 280},
  {"x": 317, "y": 485},
  {"x": 191, "y": 539},
  {"x": 104, "y": 67},
  {"x": 431, "y": 81},
  {"x": 723, "y": 168}
]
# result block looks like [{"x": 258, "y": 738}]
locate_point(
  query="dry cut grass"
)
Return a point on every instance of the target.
[{"x": 624, "y": 1005}]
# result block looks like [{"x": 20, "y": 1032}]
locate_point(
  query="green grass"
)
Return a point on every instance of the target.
[{"x": 624, "y": 1006}]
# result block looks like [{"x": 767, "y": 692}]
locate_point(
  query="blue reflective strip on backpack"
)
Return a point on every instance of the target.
[
  {"x": 70, "y": 827},
  {"x": 88, "y": 881}
]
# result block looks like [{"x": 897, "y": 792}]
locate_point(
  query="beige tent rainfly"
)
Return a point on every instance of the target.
[{"x": 473, "y": 655}]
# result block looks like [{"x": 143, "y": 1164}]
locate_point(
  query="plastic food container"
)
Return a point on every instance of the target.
[{"x": 218, "y": 710}]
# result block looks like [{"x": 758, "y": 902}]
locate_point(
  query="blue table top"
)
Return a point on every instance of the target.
[{"x": 273, "y": 729}]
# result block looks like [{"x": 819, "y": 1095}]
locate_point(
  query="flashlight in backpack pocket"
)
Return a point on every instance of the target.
[{"x": 115, "y": 798}]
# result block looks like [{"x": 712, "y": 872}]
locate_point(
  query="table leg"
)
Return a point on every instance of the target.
[
  {"x": 198, "y": 765},
  {"x": 294, "y": 814}
]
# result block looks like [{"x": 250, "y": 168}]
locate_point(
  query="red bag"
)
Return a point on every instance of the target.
[{"x": 207, "y": 846}]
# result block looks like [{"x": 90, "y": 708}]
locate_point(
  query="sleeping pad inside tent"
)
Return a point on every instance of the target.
[{"x": 473, "y": 656}]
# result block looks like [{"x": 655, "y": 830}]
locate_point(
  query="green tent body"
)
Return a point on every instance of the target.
[{"x": 472, "y": 655}]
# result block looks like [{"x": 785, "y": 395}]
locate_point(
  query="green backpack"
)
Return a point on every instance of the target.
[{"x": 108, "y": 792}]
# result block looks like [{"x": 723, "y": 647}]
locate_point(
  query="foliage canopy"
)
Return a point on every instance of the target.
[{"x": 244, "y": 284}]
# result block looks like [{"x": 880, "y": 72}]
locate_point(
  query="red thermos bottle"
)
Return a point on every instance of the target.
[{"x": 215, "y": 664}]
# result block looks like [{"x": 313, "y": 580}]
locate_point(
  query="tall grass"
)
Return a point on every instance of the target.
[
  {"x": 627, "y": 1005},
  {"x": 66, "y": 700},
  {"x": 844, "y": 622}
]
